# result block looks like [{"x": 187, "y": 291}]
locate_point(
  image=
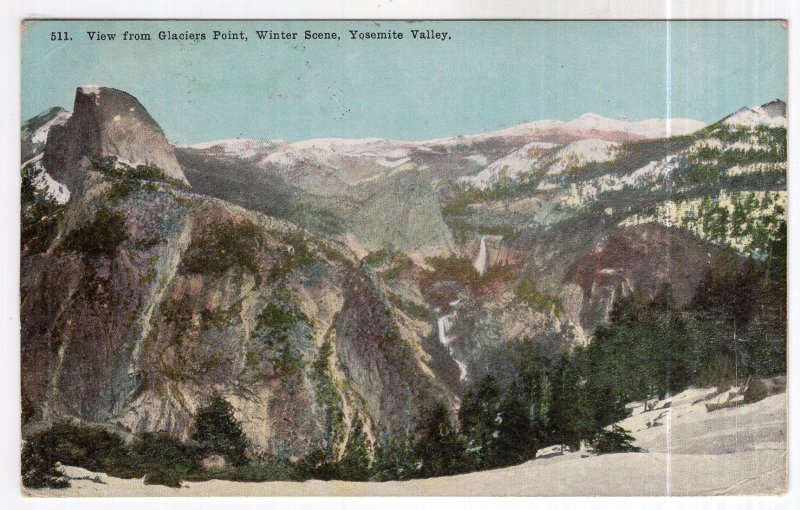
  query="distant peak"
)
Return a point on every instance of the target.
[
  {"x": 649, "y": 128},
  {"x": 772, "y": 114},
  {"x": 776, "y": 101},
  {"x": 775, "y": 108}
]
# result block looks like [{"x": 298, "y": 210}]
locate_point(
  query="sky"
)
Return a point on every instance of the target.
[{"x": 486, "y": 76}]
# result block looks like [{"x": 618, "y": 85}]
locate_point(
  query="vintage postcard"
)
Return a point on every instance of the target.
[{"x": 393, "y": 258}]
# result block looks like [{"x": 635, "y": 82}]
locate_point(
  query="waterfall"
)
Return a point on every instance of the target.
[
  {"x": 462, "y": 368},
  {"x": 481, "y": 262},
  {"x": 445, "y": 322}
]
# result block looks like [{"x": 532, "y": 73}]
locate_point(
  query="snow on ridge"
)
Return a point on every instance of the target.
[
  {"x": 755, "y": 116},
  {"x": 332, "y": 144},
  {"x": 395, "y": 153},
  {"x": 240, "y": 147},
  {"x": 40, "y": 135},
  {"x": 330, "y": 151},
  {"x": 590, "y": 150},
  {"x": 512, "y": 166},
  {"x": 386, "y": 152},
  {"x": 282, "y": 156},
  {"x": 43, "y": 181},
  {"x": 55, "y": 190},
  {"x": 648, "y": 128},
  {"x": 518, "y": 130},
  {"x": 226, "y": 143},
  {"x": 521, "y": 161},
  {"x": 754, "y": 168},
  {"x": 674, "y": 214},
  {"x": 649, "y": 175},
  {"x": 588, "y": 122},
  {"x": 392, "y": 163}
]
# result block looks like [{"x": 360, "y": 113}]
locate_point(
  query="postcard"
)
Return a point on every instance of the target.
[{"x": 396, "y": 258}]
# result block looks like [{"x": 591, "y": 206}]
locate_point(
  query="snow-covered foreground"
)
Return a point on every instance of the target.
[{"x": 690, "y": 451}]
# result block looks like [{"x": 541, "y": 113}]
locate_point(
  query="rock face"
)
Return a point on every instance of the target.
[
  {"x": 397, "y": 209},
  {"x": 34, "y": 132},
  {"x": 776, "y": 108},
  {"x": 642, "y": 258},
  {"x": 402, "y": 212},
  {"x": 145, "y": 298},
  {"x": 498, "y": 251},
  {"x": 289, "y": 329},
  {"x": 304, "y": 283},
  {"x": 107, "y": 123}
]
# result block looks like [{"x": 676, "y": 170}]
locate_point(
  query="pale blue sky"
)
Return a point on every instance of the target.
[{"x": 489, "y": 75}]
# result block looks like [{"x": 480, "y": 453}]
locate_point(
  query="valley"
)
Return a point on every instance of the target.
[{"x": 389, "y": 310}]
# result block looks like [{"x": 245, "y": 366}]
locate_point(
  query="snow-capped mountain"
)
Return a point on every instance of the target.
[
  {"x": 482, "y": 160},
  {"x": 513, "y": 166},
  {"x": 34, "y": 132},
  {"x": 772, "y": 114},
  {"x": 588, "y": 125},
  {"x": 40, "y": 135}
]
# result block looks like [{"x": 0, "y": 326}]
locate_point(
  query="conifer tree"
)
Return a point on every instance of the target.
[
  {"x": 441, "y": 448},
  {"x": 355, "y": 463},
  {"x": 218, "y": 432}
]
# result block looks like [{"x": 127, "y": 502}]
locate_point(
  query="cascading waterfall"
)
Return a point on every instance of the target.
[
  {"x": 462, "y": 368},
  {"x": 445, "y": 322},
  {"x": 481, "y": 261}
]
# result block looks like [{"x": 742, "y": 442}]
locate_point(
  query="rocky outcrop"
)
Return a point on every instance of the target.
[
  {"x": 107, "y": 123},
  {"x": 498, "y": 251},
  {"x": 140, "y": 335},
  {"x": 399, "y": 210},
  {"x": 776, "y": 108},
  {"x": 35, "y": 131},
  {"x": 644, "y": 258},
  {"x": 146, "y": 298},
  {"x": 369, "y": 344}
]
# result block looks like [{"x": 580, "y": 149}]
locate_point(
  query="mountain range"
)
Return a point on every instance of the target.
[{"x": 314, "y": 282}]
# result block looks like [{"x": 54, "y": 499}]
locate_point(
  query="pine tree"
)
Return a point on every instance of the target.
[
  {"x": 218, "y": 432},
  {"x": 441, "y": 448},
  {"x": 572, "y": 414},
  {"x": 616, "y": 440},
  {"x": 776, "y": 257},
  {"x": 479, "y": 414},
  {"x": 516, "y": 437},
  {"x": 355, "y": 463},
  {"x": 395, "y": 459}
]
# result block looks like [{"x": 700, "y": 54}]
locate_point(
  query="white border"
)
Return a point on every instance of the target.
[{"x": 342, "y": 9}]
